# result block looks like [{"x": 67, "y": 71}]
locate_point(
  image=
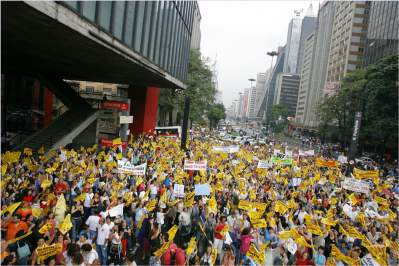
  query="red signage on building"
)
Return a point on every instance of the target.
[
  {"x": 108, "y": 143},
  {"x": 115, "y": 105}
]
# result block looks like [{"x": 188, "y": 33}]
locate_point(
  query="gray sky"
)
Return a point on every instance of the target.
[{"x": 240, "y": 33}]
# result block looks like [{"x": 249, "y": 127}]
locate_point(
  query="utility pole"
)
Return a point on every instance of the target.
[{"x": 185, "y": 123}]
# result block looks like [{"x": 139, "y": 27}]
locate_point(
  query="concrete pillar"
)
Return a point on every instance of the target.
[
  {"x": 143, "y": 108},
  {"x": 48, "y": 107}
]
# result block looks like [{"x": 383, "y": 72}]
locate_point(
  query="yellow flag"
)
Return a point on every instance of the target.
[
  {"x": 81, "y": 197},
  {"x": 280, "y": 207},
  {"x": 11, "y": 208},
  {"x": 214, "y": 256},
  {"x": 151, "y": 205},
  {"x": 41, "y": 150},
  {"x": 353, "y": 199},
  {"x": 37, "y": 212},
  {"x": 162, "y": 249},
  {"x": 172, "y": 232},
  {"x": 117, "y": 141},
  {"x": 314, "y": 229},
  {"x": 28, "y": 151},
  {"x": 191, "y": 246},
  {"x": 212, "y": 205},
  {"x": 261, "y": 223},
  {"x": 3, "y": 169},
  {"x": 45, "y": 228},
  {"x": 302, "y": 242},
  {"x": 245, "y": 205},
  {"x": 65, "y": 225},
  {"x": 257, "y": 256}
]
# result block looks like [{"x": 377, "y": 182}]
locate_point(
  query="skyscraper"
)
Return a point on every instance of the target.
[
  {"x": 292, "y": 46},
  {"x": 287, "y": 87},
  {"x": 347, "y": 42},
  {"x": 251, "y": 103},
  {"x": 382, "y": 33},
  {"x": 307, "y": 27},
  {"x": 196, "y": 31},
  {"x": 306, "y": 77}
]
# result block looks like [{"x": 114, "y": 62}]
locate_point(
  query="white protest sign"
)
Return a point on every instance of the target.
[
  {"x": 276, "y": 152},
  {"x": 115, "y": 211},
  {"x": 291, "y": 246},
  {"x": 296, "y": 181},
  {"x": 347, "y": 209},
  {"x": 125, "y": 119},
  {"x": 342, "y": 159},
  {"x": 63, "y": 156},
  {"x": 356, "y": 185},
  {"x": 309, "y": 153},
  {"x": 126, "y": 167},
  {"x": 178, "y": 190},
  {"x": 227, "y": 149},
  {"x": 263, "y": 164},
  {"x": 195, "y": 166},
  {"x": 368, "y": 260},
  {"x": 235, "y": 162}
]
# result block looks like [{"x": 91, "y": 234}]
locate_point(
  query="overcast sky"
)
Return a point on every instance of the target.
[{"x": 240, "y": 33}]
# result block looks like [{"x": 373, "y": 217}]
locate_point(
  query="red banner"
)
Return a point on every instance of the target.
[
  {"x": 108, "y": 143},
  {"x": 115, "y": 105}
]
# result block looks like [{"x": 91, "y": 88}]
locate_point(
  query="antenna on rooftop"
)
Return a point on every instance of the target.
[{"x": 298, "y": 12}]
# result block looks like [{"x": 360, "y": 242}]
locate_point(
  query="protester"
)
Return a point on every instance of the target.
[{"x": 263, "y": 204}]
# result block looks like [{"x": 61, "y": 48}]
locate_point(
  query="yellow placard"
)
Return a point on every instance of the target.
[
  {"x": 245, "y": 205},
  {"x": 65, "y": 225},
  {"x": 47, "y": 251},
  {"x": 257, "y": 256},
  {"x": 191, "y": 246},
  {"x": 45, "y": 228},
  {"x": 172, "y": 232},
  {"x": 261, "y": 223}
]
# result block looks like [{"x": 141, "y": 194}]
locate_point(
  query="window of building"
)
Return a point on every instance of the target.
[
  {"x": 89, "y": 89},
  {"x": 107, "y": 91},
  {"x": 104, "y": 14}
]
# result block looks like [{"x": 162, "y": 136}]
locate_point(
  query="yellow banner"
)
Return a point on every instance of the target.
[
  {"x": 65, "y": 225},
  {"x": 191, "y": 246},
  {"x": 11, "y": 208},
  {"x": 172, "y": 232},
  {"x": 151, "y": 205},
  {"x": 261, "y": 223},
  {"x": 245, "y": 205},
  {"x": 48, "y": 251},
  {"x": 257, "y": 256}
]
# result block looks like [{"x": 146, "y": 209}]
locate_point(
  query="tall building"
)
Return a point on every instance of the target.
[
  {"x": 322, "y": 41},
  {"x": 382, "y": 33},
  {"x": 261, "y": 89},
  {"x": 240, "y": 105},
  {"x": 252, "y": 103},
  {"x": 271, "y": 88},
  {"x": 306, "y": 77},
  {"x": 307, "y": 27},
  {"x": 348, "y": 41},
  {"x": 287, "y": 91},
  {"x": 292, "y": 46},
  {"x": 196, "y": 31},
  {"x": 245, "y": 103}
]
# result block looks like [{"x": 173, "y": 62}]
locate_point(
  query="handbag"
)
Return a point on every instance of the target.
[{"x": 23, "y": 251}]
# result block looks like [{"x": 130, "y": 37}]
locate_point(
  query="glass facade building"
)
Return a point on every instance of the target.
[
  {"x": 382, "y": 34},
  {"x": 292, "y": 46},
  {"x": 157, "y": 30}
]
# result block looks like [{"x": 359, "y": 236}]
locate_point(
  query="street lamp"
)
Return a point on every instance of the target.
[{"x": 272, "y": 54}]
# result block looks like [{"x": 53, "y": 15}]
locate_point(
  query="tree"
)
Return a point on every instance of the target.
[
  {"x": 216, "y": 113},
  {"x": 200, "y": 89},
  {"x": 372, "y": 91},
  {"x": 279, "y": 110}
]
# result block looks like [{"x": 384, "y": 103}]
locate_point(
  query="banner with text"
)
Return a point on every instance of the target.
[{"x": 195, "y": 166}]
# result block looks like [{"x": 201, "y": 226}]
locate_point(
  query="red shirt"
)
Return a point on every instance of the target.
[
  {"x": 218, "y": 229},
  {"x": 302, "y": 262},
  {"x": 180, "y": 256}
]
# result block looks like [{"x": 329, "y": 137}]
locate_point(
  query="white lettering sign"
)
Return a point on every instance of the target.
[
  {"x": 123, "y": 119},
  {"x": 263, "y": 164},
  {"x": 195, "y": 166},
  {"x": 126, "y": 167},
  {"x": 226, "y": 149},
  {"x": 356, "y": 185}
]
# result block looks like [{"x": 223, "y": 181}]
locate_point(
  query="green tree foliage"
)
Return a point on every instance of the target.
[
  {"x": 374, "y": 92},
  {"x": 279, "y": 111},
  {"x": 200, "y": 89},
  {"x": 216, "y": 113}
]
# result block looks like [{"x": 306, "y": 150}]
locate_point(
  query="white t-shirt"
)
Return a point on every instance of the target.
[
  {"x": 103, "y": 234},
  {"x": 154, "y": 190},
  {"x": 87, "y": 202},
  {"x": 160, "y": 217},
  {"x": 92, "y": 222},
  {"x": 90, "y": 257}
]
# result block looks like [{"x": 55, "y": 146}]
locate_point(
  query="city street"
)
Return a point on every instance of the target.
[{"x": 249, "y": 133}]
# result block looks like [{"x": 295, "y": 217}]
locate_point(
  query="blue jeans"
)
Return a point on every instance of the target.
[
  {"x": 102, "y": 254},
  {"x": 76, "y": 224}
]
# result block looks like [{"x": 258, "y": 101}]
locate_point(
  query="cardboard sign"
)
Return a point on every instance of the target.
[
  {"x": 202, "y": 190},
  {"x": 48, "y": 251},
  {"x": 126, "y": 167},
  {"x": 368, "y": 260},
  {"x": 178, "y": 190},
  {"x": 115, "y": 211},
  {"x": 356, "y": 185},
  {"x": 263, "y": 164},
  {"x": 226, "y": 149},
  {"x": 195, "y": 166}
]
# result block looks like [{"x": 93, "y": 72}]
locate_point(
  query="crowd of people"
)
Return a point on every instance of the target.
[{"x": 258, "y": 205}]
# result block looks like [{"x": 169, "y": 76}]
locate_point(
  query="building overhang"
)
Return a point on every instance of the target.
[{"x": 45, "y": 37}]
